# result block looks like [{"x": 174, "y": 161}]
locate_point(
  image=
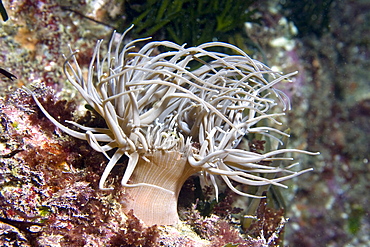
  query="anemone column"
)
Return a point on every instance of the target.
[{"x": 167, "y": 171}]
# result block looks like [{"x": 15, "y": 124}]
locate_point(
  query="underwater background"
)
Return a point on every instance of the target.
[{"x": 48, "y": 184}]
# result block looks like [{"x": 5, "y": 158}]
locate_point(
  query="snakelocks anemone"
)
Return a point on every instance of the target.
[{"x": 177, "y": 113}]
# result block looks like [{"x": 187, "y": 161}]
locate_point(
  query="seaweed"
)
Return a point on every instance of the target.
[
  {"x": 135, "y": 234},
  {"x": 191, "y": 22}
]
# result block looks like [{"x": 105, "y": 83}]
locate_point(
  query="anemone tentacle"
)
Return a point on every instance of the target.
[{"x": 197, "y": 101}]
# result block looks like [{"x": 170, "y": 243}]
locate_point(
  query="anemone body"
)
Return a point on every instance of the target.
[{"x": 182, "y": 109}]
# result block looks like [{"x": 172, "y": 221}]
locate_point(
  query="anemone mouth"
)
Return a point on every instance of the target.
[{"x": 198, "y": 101}]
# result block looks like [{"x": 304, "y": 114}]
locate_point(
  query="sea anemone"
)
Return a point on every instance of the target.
[{"x": 176, "y": 113}]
